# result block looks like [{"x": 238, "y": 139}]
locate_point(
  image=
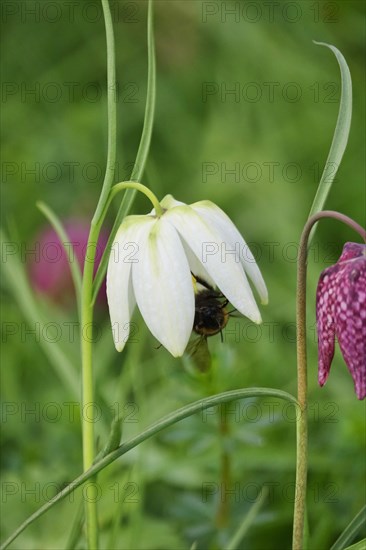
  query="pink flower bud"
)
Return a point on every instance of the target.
[{"x": 50, "y": 269}]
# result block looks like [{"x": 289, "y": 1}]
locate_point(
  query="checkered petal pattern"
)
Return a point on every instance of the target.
[{"x": 341, "y": 312}]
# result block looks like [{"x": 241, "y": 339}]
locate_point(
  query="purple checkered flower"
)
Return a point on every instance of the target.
[{"x": 341, "y": 312}]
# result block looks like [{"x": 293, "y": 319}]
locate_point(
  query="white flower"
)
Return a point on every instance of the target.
[{"x": 151, "y": 262}]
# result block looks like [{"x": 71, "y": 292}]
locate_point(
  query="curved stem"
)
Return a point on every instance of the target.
[
  {"x": 142, "y": 152},
  {"x": 114, "y": 191},
  {"x": 302, "y": 439},
  {"x": 138, "y": 187},
  {"x": 169, "y": 420},
  {"x": 336, "y": 216}
]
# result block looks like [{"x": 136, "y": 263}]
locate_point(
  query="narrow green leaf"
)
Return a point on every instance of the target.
[
  {"x": 169, "y": 420},
  {"x": 361, "y": 545},
  {"x": 74, "y": 265},
  {"x": 18, "y": 284},
  {"x": 340, "y": 137},
  {"x": 112, "y": 112},
  {"x": 76, "y": 528},
  {"x": 114, "y": 437},
  {"x": 247, "y": 521},
  {"x": 351, "y": 530},
  {"x": 142, "y": 152}
]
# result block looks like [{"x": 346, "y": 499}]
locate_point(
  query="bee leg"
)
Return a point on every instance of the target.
[
  {"x": 222, "y": 337},
  {"x": 201, "y": 282}
]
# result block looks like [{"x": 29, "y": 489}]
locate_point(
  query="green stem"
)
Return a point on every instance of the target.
[
  {"x": 142, "y": 152},
  {"x": 87, "y": 287},
  {"x": 301, "y": 424},
  {"x": 88, "y": 409},
  {"x": 302, "y": 429},
  {"x": 112, "y": 112},
  {"x": 223, "y": 512},
  {"x": 147, "y": 129},
  {"x": 169, "y": 420},
  {"x": 114, "y": 191},
  {"x": 137, "y": 187}
]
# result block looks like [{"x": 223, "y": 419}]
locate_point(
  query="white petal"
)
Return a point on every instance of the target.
[
  {"x": 206, "y": 243},
  {"x": 216, "y": 217},
  {"x": 167, "y": 203},
  {"x": 163, "y": 287},
  {"x": 125, "y": 252},
  {"x": 196, "y": 266}
]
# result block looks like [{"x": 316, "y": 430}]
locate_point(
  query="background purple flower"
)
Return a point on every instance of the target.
[
  {"x": 341, "y": 312},
  {"x": 50, "y": 270}
]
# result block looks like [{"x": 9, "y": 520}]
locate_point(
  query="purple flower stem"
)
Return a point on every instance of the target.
[{"x": 302, "y": 429}]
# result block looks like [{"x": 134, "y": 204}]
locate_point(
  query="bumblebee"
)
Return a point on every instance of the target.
[
  {"x": 210, "y": 318},
  {"x": 210, "y": 315}
]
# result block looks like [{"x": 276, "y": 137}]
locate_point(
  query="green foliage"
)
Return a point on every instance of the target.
[{"x": 166, "y": 492}]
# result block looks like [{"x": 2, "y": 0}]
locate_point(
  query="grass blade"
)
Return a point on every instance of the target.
[
  {"x": 248, "y": 521},
  {"x": 142, "y": 152},
  {"x": 112, "y": 112},
  {"x": 61, "y": 233},
  {"x": 169, "y": 420},
  {"x": 340, "y": 137},
  {"x": 351, "y": 530},
  {"x": 361, "y": 545},
  {"x": 18, "y": 283}
]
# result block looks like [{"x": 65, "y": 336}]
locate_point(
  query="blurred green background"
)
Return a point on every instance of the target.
[{"x": 246, "y": 109}]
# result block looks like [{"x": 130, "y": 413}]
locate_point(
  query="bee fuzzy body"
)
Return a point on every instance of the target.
[{"x": 210, "y": 316}]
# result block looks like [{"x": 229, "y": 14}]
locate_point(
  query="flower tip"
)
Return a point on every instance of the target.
[
  {"x": 322, "y": 375},
  {"x": 119, "y": 346},
  {"x": 360, "y": 387},
  {"x": 257, "y": 320},
  {"x": 176, "y": 353}
]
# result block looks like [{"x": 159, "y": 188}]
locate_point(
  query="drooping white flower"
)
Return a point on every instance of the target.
[{"x": 151, "y": 262}]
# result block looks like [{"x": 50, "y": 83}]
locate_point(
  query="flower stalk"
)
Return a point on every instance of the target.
[
  {"x": 223, "y": 512},
  {"x": 91, "y": 287},
  {"x": 122, "y": 186},
  {"x": 302, "y": 437},
  {"x": 88, "y": 395},
  {"x": 86, "y": 353},
  {"x": 87, "y": 287}
]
